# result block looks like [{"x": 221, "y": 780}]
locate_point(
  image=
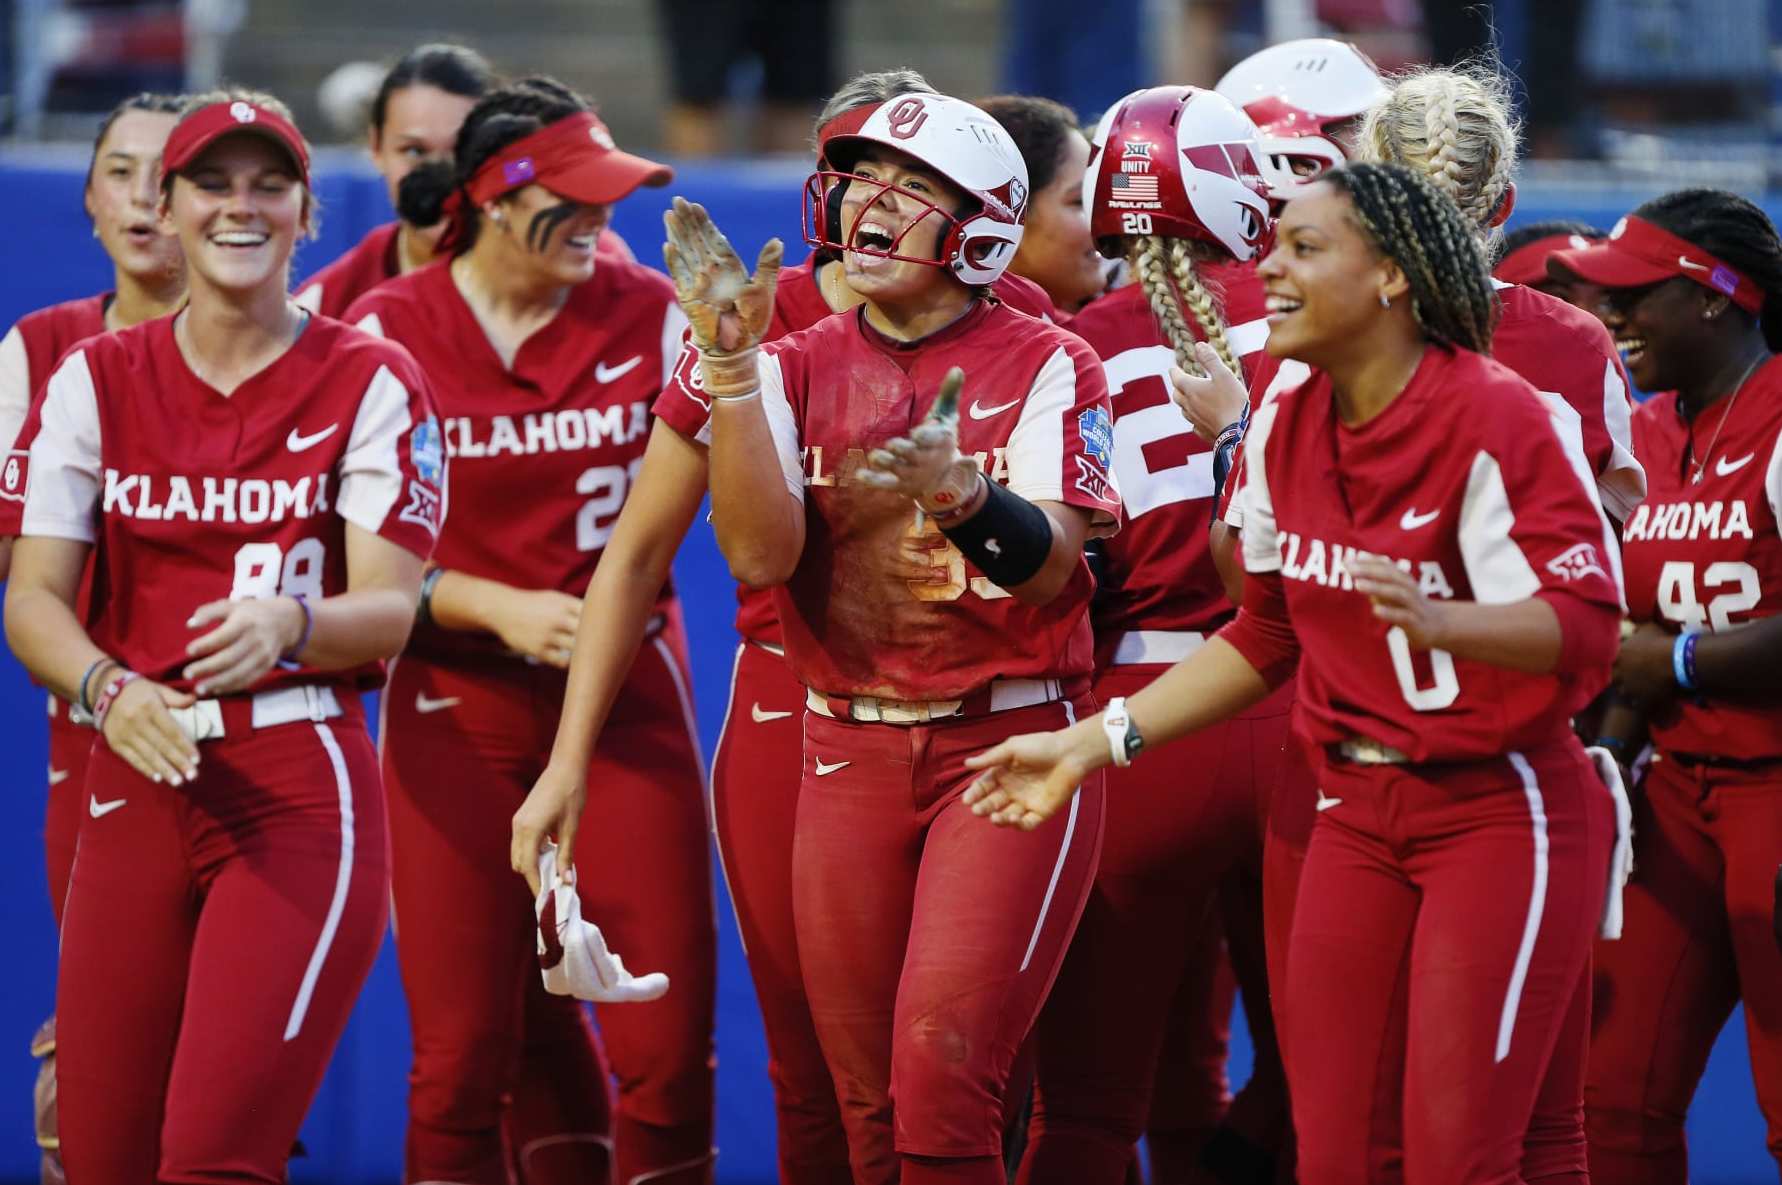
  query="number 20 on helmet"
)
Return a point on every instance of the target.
[
  {"x": 953, "y": 139},
  {"x": 1179, "y": 162}
]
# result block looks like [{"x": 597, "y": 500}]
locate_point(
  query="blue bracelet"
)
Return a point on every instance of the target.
[
  {"x": 1683, "y": 661},
  {"x": 288, "y": 660}
]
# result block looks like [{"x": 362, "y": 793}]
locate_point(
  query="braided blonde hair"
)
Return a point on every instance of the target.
[
  {"x": 1165, "y": 267},
  {"x": 1455, "y": 126}
]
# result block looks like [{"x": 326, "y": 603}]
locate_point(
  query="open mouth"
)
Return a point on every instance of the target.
[
  {"x": 240, "y": 240},
  {"x": 1632, "y": 349},
  {"x": 1280, "y": 307},
  {"x": 141, "y": 234},
  {"x": 872, "y": 236},
  {"x": 583, "y": 242}
]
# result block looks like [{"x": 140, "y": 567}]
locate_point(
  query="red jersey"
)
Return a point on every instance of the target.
[
  {"x": 32, "y": 347},
  {"x": 1707, "y": 555},
  {"x": 189, "y": 496},
  {"x": 1035, "y": 412},
  {"x": 797, "y": 304},
  {"x": 1159, "y": 572},
  {"x": 1459, "y": 481},
  {"x": 543, "y": 453},
  {"x": 372, "y": 260}
]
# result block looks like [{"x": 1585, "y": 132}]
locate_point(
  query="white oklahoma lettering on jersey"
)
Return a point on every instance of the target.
[
  {"x": 1327, "y": 565},
  {"x": 213, "y": 499},
  {"x": 1690, "y": 520},
  {"x": 569, "y": 430}
]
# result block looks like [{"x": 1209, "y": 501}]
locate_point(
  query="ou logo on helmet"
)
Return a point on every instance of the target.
[{"x": 906, "y": 117}]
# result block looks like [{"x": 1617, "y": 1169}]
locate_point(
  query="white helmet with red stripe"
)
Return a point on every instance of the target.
[
  {"x": 956, "y": 140},
  {"x": 1180, "y": 162},
  {"x": 1296, "y": 93}
]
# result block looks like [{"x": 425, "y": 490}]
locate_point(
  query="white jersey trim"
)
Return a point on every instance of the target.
[
  {"x": 674, "y": 334},
  {"x": 62, "y": 484},
  {"x": 711, "y": 799},
  {"x": 1537, "y": 904},
  {"x": 781, "y": 422},
  {"x": 15, "y": 385},
  {"x": 1495, "y": 566},
  {"x": 1622, "y": 482},
  {"x": 1262, "y": 544},
  {"x": 371, "y": 475},
  {"x": 1036, "y": 445},
  {"x": 373, "y": 325},
  {"x": 1247, "y": 338},
  {"x": 343, "y": 880},
  {"x": 1772, "y": 483}
]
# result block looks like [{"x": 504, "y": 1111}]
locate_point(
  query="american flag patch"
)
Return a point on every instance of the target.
[{"x": 1134, "y": 187}]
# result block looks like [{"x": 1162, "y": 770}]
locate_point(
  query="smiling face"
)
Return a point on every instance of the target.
[
  {"x": 121, "y": 197},
  {"x": 1056, "y": 250},
  {"x": 421, "y": 123},
  {"x": 1659, "y": 329},
  {"x": 902, "y": 198},
  {"x": 551, "y": 237},
  {"x": 1323, "y": 278},
  {"x": 237, "y": 211}
]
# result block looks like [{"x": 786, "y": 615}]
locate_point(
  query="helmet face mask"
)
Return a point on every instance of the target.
[
  {"x": 1298, "y": 94},
  {"x": 956, "y": 142}
]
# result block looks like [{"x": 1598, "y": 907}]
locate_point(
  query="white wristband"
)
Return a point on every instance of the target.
[{"x": 1115, "y": 722}]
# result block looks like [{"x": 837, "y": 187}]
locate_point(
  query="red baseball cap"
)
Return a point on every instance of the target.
[
  {"x": 1527, "y": 264},
  {"x": 1638, "y": 252},
  {"x": 575, "y": 158},
  {"x": 199, "y": 129}
]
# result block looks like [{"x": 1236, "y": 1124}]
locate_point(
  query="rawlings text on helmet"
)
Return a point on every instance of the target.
[
  {"x": 1295, "y": 93},
  {"x": 1180, "y": 162},
  {"x": 958, "y": 142}
]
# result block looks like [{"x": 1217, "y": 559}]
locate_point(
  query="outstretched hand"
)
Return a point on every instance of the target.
[
  {"x": 926, "y": 465},
  {"x": 729, "y": 309},
  {"x": 1028, "y": 779}
]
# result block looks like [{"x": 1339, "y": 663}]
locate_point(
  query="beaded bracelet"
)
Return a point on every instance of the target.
[
  {"x": 288, "y": 660},
  {"x": 109, "y": 695},
  {"x": 1683, "y": 661},
  {"x": 81, "y": 701}
]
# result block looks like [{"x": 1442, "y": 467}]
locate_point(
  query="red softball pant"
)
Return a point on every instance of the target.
[
  {"x": 1554, "y": 1146},
  {"x": 928, "y": 936},
  {"x": 1444, "y": 923},
  {"x": 1696, "y": 940},
  {"x": 1177, "y": 826},
  {"x": 215, "y": 937},
  {"x": 70, "y": 745},
  {"x": 463, "y": 743},
  {"x": 755, "y": 776}
]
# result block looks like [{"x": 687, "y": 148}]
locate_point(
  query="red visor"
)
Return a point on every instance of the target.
[
  {"x": 1527, "y": 264},
  {"x": 847, "y": 123},
  {"x": 1638, "y": 252},
  {"x": 205, "y": 126}
]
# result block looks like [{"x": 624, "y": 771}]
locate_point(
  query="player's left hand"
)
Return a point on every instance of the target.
[
  {"x": 248, "y": 639},
  {"x": 1397, "y": 600},
  {"x": 1643, "y": 669},
  {"x": 926, "y": 465},
  {"x": 1210, "y": 400},
  {"x": 1028, "y": 779},
  {"x": 729, "y": 309}
]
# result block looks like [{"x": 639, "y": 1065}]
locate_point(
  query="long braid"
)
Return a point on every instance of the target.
[
  {"x": 1201, "y": 304},
  {"x": 1150, "y": 259},
  {"x": 1425, "y": 234}
]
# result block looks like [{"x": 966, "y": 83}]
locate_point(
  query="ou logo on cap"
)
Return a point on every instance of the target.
[
  {"x": 602, "y": 137},
  {"x": 242, "y": 112}
]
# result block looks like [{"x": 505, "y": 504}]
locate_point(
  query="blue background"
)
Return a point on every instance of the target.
[{"x": 354, "y": 1132}]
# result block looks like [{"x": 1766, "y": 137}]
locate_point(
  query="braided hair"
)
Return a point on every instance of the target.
[
  {"x": 1730, "y": 228},
  {"x": 1455, "y": 126},
  {"x": 502, "y": 116},
  {"x": 1176, "y": 291},
  {"x": 1423, "y": 232}
]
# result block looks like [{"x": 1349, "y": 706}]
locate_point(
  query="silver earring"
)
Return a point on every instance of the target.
[{"x": 1385, "y": 303}]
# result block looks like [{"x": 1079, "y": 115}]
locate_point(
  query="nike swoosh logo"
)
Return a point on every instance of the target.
[
  {"x": 606, "y": 374},
  {"x": 297, "y": 441},
  {"x": 1722, "y": 467},
  {"x": 1693, "y": 266},
  {"x": 425, "y": 705},
  {"x": 763, "y": 717},
  {"x": 57, "y": 776},
  {"x": 979, "y": 412},
  {"x": 1325, "y": 804},
  {"x": 823, "y": 768},
  {"x": 99, "y": 809},
  {"x": 1412, "y": 520}
]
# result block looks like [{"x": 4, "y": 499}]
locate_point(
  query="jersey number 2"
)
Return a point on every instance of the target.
[{"x": 605, "y": 487}]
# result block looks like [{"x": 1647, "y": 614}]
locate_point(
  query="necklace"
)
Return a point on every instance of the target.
[{"x": 1701, "y": 464}]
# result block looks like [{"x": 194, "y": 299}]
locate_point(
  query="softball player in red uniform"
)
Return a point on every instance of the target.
[
  {"x": 1175, "y": 186},
  {"x": 232, "y": 864},
  {"x": 414, "y": 118},
  {"x": 1689, "y": 278},
  {"x": 1456, "y": 872},
  {"x": 148, "y": 281},
  {"x": 756, "y": 771},
  {"x": 548, "y": 362},
  {"x": 909, "y": 628}
]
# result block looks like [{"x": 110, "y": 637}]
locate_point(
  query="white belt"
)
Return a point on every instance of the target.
[
  {"x": 1004, "y": 695},
  {"x": 1155, "y": 646},
  {"x": 1362, "y": 751},
  {"x": 203, "y": 721}
]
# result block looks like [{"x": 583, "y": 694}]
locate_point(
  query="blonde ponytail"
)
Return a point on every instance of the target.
[
  {"x": 1165, "y": 269},
  {"x": 1455, "y": 126}
]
